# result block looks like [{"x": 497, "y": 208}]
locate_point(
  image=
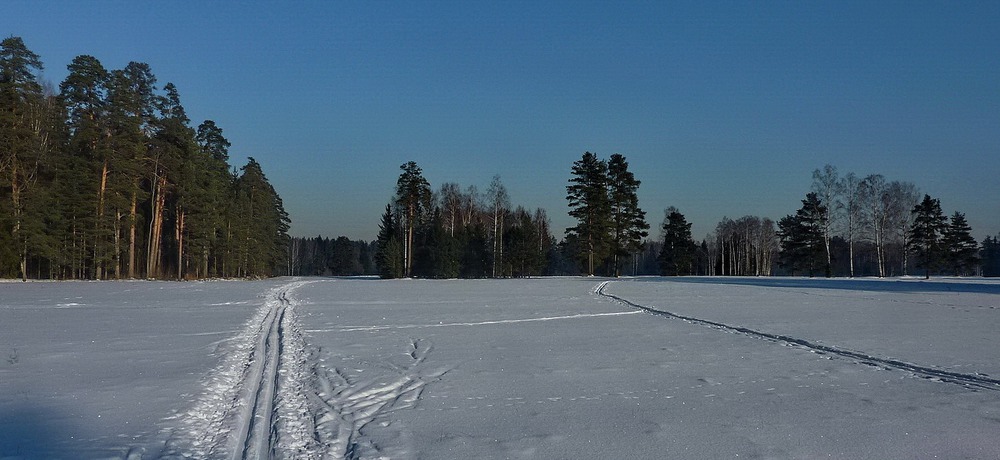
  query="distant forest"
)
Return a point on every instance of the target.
[
  {"x": 847, "y": 226},
  {"x": 105, "y": 178}
]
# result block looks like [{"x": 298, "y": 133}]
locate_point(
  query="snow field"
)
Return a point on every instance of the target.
[
  {"x": 644, "y": 386},
  {"x": 540, "y": 368},
  {"x": 101, "y": 366}
]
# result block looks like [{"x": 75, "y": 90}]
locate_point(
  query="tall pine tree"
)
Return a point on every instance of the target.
[
  {"x": 589, "y": 204},
  {"x": 926, "y": 232},
  {"x": 413, "y": 196},
  {"x": 628, "y": 221}
]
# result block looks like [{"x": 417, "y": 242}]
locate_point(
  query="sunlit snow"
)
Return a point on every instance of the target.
[{"x": 537, "y": 368}]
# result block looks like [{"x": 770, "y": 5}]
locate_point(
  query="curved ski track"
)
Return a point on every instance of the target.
[{"x": 974, "y": 381}]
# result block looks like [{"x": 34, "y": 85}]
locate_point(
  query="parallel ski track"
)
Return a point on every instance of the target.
[
  {"x": 974, "y": 381},
  {"x": 250, "y": 410},
  {"x": 256, "y": 430}
]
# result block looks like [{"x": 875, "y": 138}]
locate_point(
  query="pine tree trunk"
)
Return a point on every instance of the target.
[
  {"x": 98, "y": 250},
  {"x": 156, "y": 229},
  {"x": 118, "y": 243},
  {"x": 131, "y": 234},
  {"x": 15, "y": 194},
  {"x": 179, "y": 234}
]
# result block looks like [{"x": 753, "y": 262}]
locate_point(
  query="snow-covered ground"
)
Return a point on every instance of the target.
[{"x": 540, "y": 368}]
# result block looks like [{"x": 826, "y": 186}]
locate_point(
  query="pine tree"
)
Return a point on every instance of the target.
[
  {"x": 413, "y": 196},
  {"x": 677, "y": 255},
  {"x": 628, "y": 221},
  {"x": 210, "y": 197},
  {"x": 132, "y": 117},
  {"x": 926, "y": 232},
  {"x": 589, "y": 204},
  {"x": 962, "y": 249},
  {"x": 24, "y": 116},
  {"x": 803, "y": 248},
  {"x": 261, "y": 226}
]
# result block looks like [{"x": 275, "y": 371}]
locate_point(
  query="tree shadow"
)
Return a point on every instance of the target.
[{"x": 33, "y": 432}]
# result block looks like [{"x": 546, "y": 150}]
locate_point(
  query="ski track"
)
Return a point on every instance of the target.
[
  {"x": 254, "y": 405},
  {"x": 271, "y": 398},
  {"x": 475, "y": 323},
  {"x": 973, "y": 381}
]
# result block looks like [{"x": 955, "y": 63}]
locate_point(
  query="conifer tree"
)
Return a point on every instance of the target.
[
  {"x": 23, "y": 130},
  {"x": 628, "y": 221},
  {"x": 677, "y": 255},
  {"x": 962, "y": 249},
  {"x": 589, "y": 204},
  {"x": 989, "y": 256},
  {"x": 132, "y": 117},
  {"x": 926, "y": 232},
  {"x": 802, "y": 241},
  {"x": 413, "y": 196},
  {"x": 262, "y": 225},
  {"x": 388, "y": 253}
]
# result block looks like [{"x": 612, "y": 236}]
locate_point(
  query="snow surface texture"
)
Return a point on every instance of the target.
[{"x": 542, "y": 368}]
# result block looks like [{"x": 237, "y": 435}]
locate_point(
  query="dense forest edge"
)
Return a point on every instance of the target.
[{"x": 105, "y": 177}]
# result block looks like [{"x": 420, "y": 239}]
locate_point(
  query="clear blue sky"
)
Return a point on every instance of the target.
[{"x": 722, "y": 109}]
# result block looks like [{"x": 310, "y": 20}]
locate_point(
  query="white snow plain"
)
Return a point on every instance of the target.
[{"x": 540, "y": 368}]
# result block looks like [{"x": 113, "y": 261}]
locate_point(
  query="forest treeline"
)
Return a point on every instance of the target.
[
  {"x": 847, "y": 226},
  {"x": 105, "y": 177}
]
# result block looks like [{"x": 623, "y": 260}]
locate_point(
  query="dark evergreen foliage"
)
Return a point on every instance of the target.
[
  {"x": 628, "y": 221},
  {"x": 803, "y": 248},
  {"x": 340, "y": 256},
  {"x": 962, "y": 257},
  {"x": 589, "y": 205},
  {"x": 108, "y": 180},
  {"x": 926, "y": 235},
  {"x": 610, "y": 225},
  {"x": 389, "y": 249},
  {"x": 989, "y": 256},
  {"x": 455, "y": 235},
  {"x": 678, "y": 254}
]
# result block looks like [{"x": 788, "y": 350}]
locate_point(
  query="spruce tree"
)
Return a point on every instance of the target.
[
  {"x": 926, "y": 232},
  {"x": 677, "y": 255},
  {"x": 388, "y": 253},
  {"x": 989, "y": 256},
  {"x": 962, "y": 249}
]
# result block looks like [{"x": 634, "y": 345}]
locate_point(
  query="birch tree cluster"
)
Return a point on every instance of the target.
[
  {"x": 106, "y": 178},
  {"x": 870, "y": 226},
  {"x": 458, "y": 232}
]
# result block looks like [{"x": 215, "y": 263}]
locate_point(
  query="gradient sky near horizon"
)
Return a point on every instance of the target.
[{"x": 721, "y": 108}]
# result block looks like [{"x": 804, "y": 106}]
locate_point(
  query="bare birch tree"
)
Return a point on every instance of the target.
[
  {"x": 499, "y": 201},
  {"x": 850, "y": 204},
  {"x": 826, "y": 186}
]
